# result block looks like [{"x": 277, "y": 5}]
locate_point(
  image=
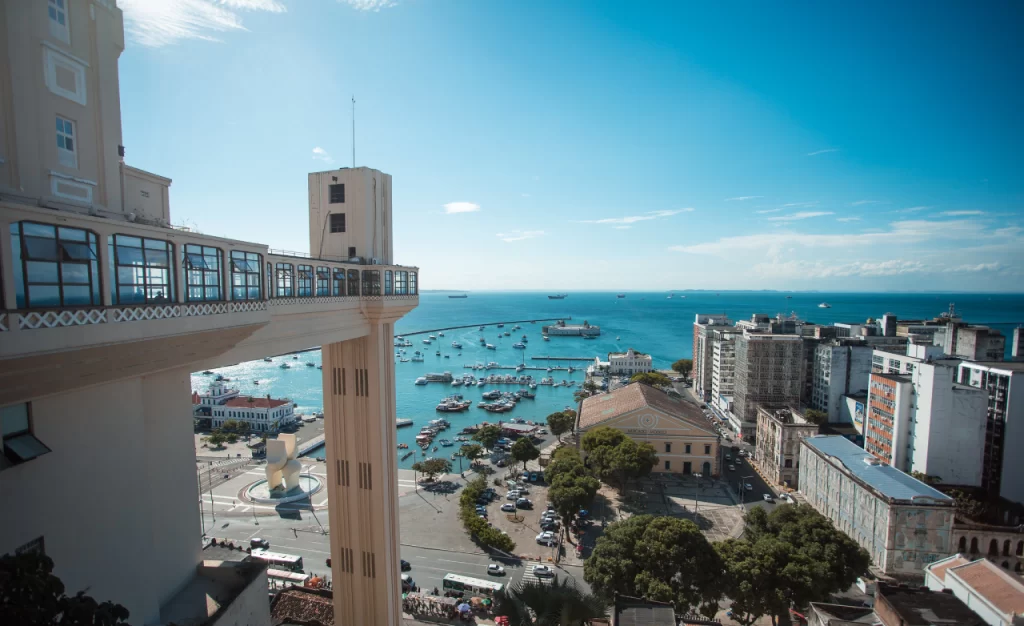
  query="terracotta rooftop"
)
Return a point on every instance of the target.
[
  {"x": 607, "y": 406},
  {"x": 257, "y": 403},
  {"x": 301, "y": 606},
  {"x": 938, "y": 569},
  {"x": 1002, "y": 589}
]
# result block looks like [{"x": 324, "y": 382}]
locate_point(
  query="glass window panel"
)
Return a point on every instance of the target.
[
  {"x": 69, "y": 143},
  {"x": 213, "y": 293},
  {"x": 74, "y": 273},
  {"x": 237, "y": 279},
  {"x": 254, "y": 293},
  {"x": 38, "y": 230},
  {"x": 128, "y": 276},
  {"x": 43, "y": 295},
  {"x": 14, "y": 419},
  {"x": 195, "y": 293},
  {"x": 238, "y": 293},
  {"x": 212, "y": 278},
  {"x": 156, "y": 244},
  {"x": 159, "y": 258},
  {"x": 127, "y": 294},
  {"x": 129, "y": 256},
  {"x": 24, "y": 447},
  {"x": 77, "y": 251},
  {"x": 41, "y": 272},
  {"x": 71, "y": 234},
  {"x": 40, "y": 249},
  {"x": 131, "y": 242},
  {"x": 196, "y": 261},
  {"x": 77, "y": 295}
]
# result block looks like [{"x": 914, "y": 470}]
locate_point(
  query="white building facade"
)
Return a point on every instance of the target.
[
  {"x": 703, "y": 325},
  {"x": 723, "y": 365},
  {"x": 1003, "y": 384},
  {"x": 629, "y": 363},
  {"x": 840, "y": 368}
]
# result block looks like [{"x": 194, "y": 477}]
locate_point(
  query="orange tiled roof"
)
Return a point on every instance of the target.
[
  {"x": 257, "y": 403},
  {"x": 1002, "y": 589},
  {"x": 940, "y": 570},
  {"x": 608, "y": 406}
]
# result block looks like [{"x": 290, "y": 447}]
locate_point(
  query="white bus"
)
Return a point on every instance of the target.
[
  {"x": 282, "y": 561},
  {"x": 283, "y": 578},
  {"x": 473, "y": 586}
]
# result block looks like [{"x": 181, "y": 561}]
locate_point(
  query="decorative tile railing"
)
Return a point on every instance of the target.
[
  {"x": 400, "y": 296},
  {"x": 311, "y": 300},
  {"x": 208, "y": 308},
  {"x": 248, "y": 306},
  {"x": 142, "y": 313},
  {"x": 57, "y": 319}
]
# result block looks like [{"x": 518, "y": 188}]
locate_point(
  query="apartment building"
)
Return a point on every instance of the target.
[
  {"x": 903, "y": 523},
  {"x": 769, "y": 372},
  {"x": 779, "y": 433},
  {"x": 972, "y": 343},
  {"x": 890, "y": 399},
  {"x": 105, "y": 310},
  {"x": 723, "y": 366},
  {"x": 703, "y": 325},
  {"x": 1003, "y": 384},
  {"x": 840, "y": 368}
]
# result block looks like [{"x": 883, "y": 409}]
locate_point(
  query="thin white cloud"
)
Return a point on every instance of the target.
[
  {"x": 913, "y": 209},
  {"x": 795, "y": 205},
  {"x": 847, "y": 219},
  {"x": 627, "y": 227},
  {"x": 980, "y": 267},
  {"x": 631, "y": 219},
  {"x": 825, "y": 151},
  {"x": 818, "y": 269},
  {"x": 156, "y": 23},
  {"x": 863, "y": 202},
  {"x": 370, "y": 5},
  {"x": 741, "y": 198},
  {"x": 768, "y": 211},
  {"x": 321, "y": 155},
  {"x": 461, "y": 207},
  {"x": 520, "y": 235},
  {"x": 960, "y": 213},
  {"x": 802, "y": 215}
]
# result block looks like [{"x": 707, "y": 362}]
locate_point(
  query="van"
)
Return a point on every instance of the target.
[
  {"x": 408, "y": 584},
  {"x": 256, "y": 542}
]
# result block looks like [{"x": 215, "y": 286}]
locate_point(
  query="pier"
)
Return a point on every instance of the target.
[
  {"x": 307, "y": 446},
  {"x": 439, "y": 330},
  {"x": 589, "y": 359},
  {"x": 513, "y": 367}
]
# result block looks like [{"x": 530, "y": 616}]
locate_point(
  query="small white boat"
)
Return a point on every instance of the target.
[
  {"x": 426, "y": 341},
  {"x": 824, "y": 305},
  {"x": 400, "y": 422},
  {"x": 490, "y": 347},
  {"x": 545, "y": 338},
  {"x": 421, "y": 381},
  {"x": 519, "y": 346},
  {"x": 431, "y": 336},
  {"x": 456, "y": 345},
  {"x": 403, "y": 360}
]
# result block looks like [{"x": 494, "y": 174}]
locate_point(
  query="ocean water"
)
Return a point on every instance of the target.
[{"x": 649, "y": 322}]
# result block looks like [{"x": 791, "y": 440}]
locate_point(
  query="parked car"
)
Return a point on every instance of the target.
[
  {"x": 408, "y": 584},
  {"x": 748, "y": 487},
  {"x": 728, "y": 457},
  {"x": 508, "y": 507},
  {"x": 501, "y": 463},
  {"x": 543, "y": 571},
  {"x": 550, "y": 525},
  {"x": 534, "y": 477},
  {"x": 547, "y": 538},
  {"x": 525, "y": 476},
  {"x": 524, "y": 503},
  {"x": 495, "y": 570},
  {"x": 405, "y": 565},
  {"x": 550, "y": 506},
  {"x": 256, "y": 542},
  {"x": 512, "y": 495},
  {"x": 732, "y": 468},
  {"x": 768, "y": 498}
]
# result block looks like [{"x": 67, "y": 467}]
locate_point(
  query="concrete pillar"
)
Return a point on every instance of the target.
[{"x": 359, "y": 416}]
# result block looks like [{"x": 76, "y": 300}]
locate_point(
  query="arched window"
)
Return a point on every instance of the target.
[
  {"x": 285, "y": 278},
  {"x": 339, "y": 282},
  {"x": 1020, "y": 548},
  {"x": 202, "y": 273},
  {"x": 412, "y": 284},
  {"x": 974, "y": 545},
  {"x": 401, "y": 283},
  {"x": 141, "y": 270},
  {"x": 245, "y": 275},
  {"x": 1006, "y": 548},
  {"x": 323, "y": 281},
  {"x": 1017, "y": 568},
  {"x": 1006, "y": 565},
  {"x": 993, "y": 548},
  {"x": 388, "y": 282},
  {"x": 304, "y": 282},
  {"x": 962, "y": 546},
  {"x": 55, "y": 266},
  {"x": 371, "y": 282},
  {"x": 353, "y": 282}
]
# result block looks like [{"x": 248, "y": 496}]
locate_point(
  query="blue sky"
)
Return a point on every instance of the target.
[{"x": 599, "y": 145}]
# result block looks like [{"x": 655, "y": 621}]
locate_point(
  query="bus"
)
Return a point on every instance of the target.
[
  {"x": 472, "y": 586},
  {"x": 283, "y": 578},
  {"x": 281, "y": 561}
]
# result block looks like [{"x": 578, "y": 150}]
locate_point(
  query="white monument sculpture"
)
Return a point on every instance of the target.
[{"x": 281, "y": 463}]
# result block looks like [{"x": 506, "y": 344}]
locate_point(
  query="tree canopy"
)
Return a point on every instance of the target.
[
  {"x": 660, "y": 558},
  {"x": 614, "y": 457},
  {"x": 479, "y": 529},
  {"x": 561, "y": 422},
  {"x": 558, "y": 604},
  {"x": 683, "y": 366},
  {"x": 815, "y": 416},
  {"x": 432, "y": 467},
  {"x": 30, "y": 594},
  {"x": 603, "y": 436},
  {"x": 472, "y": 451},
  {"x": 524, "y": 451},
  {"x": 487, "y": 435},
  {"x": 654, "y": 379}
]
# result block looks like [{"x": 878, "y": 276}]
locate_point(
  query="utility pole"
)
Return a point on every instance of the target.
[{"x": 202, "y": 513}]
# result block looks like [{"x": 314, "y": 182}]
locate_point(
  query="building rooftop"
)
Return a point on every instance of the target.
[
  {"x": 631, "y": 611},
  {"x": 607, "y": 406},
  {"x": 300, "y": 606},
  {"x": 1002, "y": 589},
  {"x": 1010, "y": 366},
  {"x": 885, "y": 479},
  {"x": 900, "y": 378},
  {"x": 922, "y": 607},
  {"x": 211, "y": 591},
  {"x": 938, "y": 568},
  {"x": 519, "y": 428},
  {"x": 255, "y": 403},
  {"x": 841, "y": 614}
]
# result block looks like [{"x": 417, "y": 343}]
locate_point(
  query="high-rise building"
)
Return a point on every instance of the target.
[
  {"x": 840, "y": 367},
  {"x": 702, "y": 352},
  {"x": 1017, "y": 348},
  {"x": 769, "y": 372},
  {"x": 723, "y": 365},
  {"x": 1003, "y": 382},
  {"x": 105, "y": 310}
]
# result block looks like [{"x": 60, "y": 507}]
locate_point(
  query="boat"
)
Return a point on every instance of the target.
[
  {"x": 508, "y": 334},
  {"x": 440, "y": 334},
  {"x": 789, "y": 297},
  {"x": 310, "y": 364},
  {"x": 268, "y": 360},
  {"x": 533, "y": 385},
  {"x": 550, "y": 370},
  {"x": 445, "y": 443},
  {"x": 621, "y": 295},
  {"x": 438, "y": 353},
  {"x": 482, "y": 327},
  {"x": 668, "y": 297},
  {"x": 207, "y": 373},
  {"x": 482, "y": 341},
  {"x": 456, "y": 345},
  {"x": 256, "y": 382},
  {"x": 295, "y": 356},
  {"x": 457, "y": 382},
  {"x": 407, "y": 455},
  {"x": 519, "y": 346},
  {"x": 501, "y": 326},
  {"x": 545, "y": 338},
  {"x": 403, "y": 360},
  {"x": 426, "y": 341},
  {"x": 559, "y": 296},
  {"x": 493, "y": 394},
  {"x": 431, "y": 337},
  {"x": 547, "y": 380},
  {"x": 444, "y": 377},
  {"x": 421, "y": 381},
  {"x": 319, "y": 367},
  {"x": 589, "y": 337},
  {"x": 459, "y": 296},
  {"x": 402, "y": 421},
  {"x": 285, "y": 366},
  {"x": 403, "y": 343},
  {"x": 480, "y": 383},
  {"x": 824, "y": 305},
  {"x": 490, "y": 347},
  {"x": 403, "y": 446},
  {"x": 616, "y": 337},
  {"x": 447, "y": 356}
]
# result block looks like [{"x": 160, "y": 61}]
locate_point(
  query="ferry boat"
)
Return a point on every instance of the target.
[
  {"x": 824, "y": 305},
  {"x": 559, "y": 296},
  {"x": 421, "y": 381},
  {"x": 494, "y": 394},
  {"x": 519, "y": 346},
  {"x": 444, "y": 377},
  {"x": 402, "y": 422},
  {"x": 459, "y": 296}
]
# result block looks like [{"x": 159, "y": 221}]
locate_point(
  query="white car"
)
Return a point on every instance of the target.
[
  {"x": 546, "y": 538},
  {"x": 495, "y": 570},
  {"x": 732, "y": 468},
  {"x": 543, "y": 571},
  {"x": 768, "y": 497},
  {"x": 508, "y": 507},
  {"x": 512, "y": 495},
  {"x": 748, "y": 487}
]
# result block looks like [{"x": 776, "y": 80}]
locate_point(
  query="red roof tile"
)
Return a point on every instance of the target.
[
  {"x": 256, "y": 403},
  {"x": 1002, "y": 589},
  {"x": 608, "y": 406}
]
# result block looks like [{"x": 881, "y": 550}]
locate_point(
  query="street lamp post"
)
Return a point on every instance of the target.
[{"x": 696, "y": 493}]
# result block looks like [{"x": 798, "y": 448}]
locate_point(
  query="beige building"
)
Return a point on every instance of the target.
[
  {"x": 105, "y": 310},
  {"x": 685, "y": 441},
  {"x": 777, "y": 452}
]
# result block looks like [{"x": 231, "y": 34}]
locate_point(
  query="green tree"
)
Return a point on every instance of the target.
[
  {"x": 967, "y": 506},
  {"x": 754, "y": 573},
  {"x": 30, "y": 594},
  {"x": 472, "y": 452},
  {"x": 558, "y": 604},
  {"x": 927, "y": 478},
  {"x": 524, "y": 451},
  {"x": 661, "y": 558},
  {"x": 815, "y": 416},
  {"x": 631, "y": 460},
  {"x": 683, "y": 366},
  {"x": 572, "y": 491},
  {"x": 234, "y": 426},
  {"x": 487, "y": 436},
  {"x": 432, "y": 467},
  {"x": 602, "y": 437},
  {"x": 216, "y": 439},
  {"x": 561, "y": 422},
  {"x": 654, "y": 379}
]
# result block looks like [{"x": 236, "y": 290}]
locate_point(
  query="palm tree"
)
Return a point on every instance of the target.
[{"x": 559, "y": 604}]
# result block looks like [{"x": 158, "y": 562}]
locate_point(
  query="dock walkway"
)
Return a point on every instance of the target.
[
  {"x": 438, "y": 330},
  {"x": 589, "y": 359}
]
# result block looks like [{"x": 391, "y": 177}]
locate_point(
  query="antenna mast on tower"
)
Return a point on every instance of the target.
[{"x": 353, "y": 131}]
